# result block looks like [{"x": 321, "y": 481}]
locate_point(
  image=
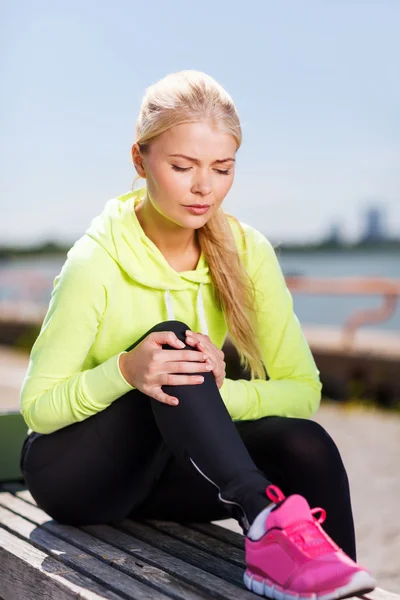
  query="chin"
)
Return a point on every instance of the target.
[
  {"x": 196, "y": 222},
  {"x": 189, "y": 221}
]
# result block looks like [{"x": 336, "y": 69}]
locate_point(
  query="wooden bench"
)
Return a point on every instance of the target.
[{"x": 150, "y": 560}]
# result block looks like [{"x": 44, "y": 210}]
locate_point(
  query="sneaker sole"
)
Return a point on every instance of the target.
[{"x": 360, "y": 583}]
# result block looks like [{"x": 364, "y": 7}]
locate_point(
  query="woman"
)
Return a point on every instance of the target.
[{"x": 128, "y": 407}]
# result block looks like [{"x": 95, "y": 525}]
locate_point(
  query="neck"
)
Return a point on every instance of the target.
[{"x": 171, "y": 239}]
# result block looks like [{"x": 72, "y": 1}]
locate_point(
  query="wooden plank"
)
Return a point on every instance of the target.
[
  {"x": 140, "y": 531},
  {"x": 167, "y": 561},
  {"x": 15, "y": 486},
  {"x": 219, "y": 533},
  {"x": 27, "y": 573},
  {"x": 144, "y": 551},
  {"x": 201, "y": 540},
  {"x": 193, "y": 556},
  {"x": 151, "y": 575},
  {"x": 215, "y": 531},
  {"x": 202, "y": 579},
  {"x": 77, "y": 559}
]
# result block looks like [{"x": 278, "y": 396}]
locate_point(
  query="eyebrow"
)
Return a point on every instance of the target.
[{"x": 219, "y": 160}]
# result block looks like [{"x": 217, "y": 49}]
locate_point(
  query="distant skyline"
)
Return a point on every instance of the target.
[
  {"x": 315, "y": 84},
  {"x": 373, "y": 226}
]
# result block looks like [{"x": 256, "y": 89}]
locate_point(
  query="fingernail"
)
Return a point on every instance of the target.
[
  {"x": 200, "y": 379},
  {"x": 209, "y": 367},
  {"x": 181, "y": 344}
]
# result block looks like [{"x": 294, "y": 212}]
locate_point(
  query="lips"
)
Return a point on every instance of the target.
[{"x": 197, "y": 209}]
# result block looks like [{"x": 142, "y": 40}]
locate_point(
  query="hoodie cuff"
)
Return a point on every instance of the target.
[
  {"x": 105, "y": 383},
  {"x": 231, "y": 398}
]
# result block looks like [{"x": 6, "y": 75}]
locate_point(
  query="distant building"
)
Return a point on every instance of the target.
[
  {"x": 334, "y": 236},
  {"x": 375, "y": 229}
]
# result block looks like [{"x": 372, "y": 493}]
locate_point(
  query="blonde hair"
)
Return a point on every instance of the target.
[{"x": 188, "y": 97}]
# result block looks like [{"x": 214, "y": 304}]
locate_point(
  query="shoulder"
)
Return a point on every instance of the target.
[
  {"x": 87, "y": 263},
  {"x": 252, "y": 245}
]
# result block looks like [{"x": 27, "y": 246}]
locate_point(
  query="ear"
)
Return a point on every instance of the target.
[{"x": 137, "y": 159}]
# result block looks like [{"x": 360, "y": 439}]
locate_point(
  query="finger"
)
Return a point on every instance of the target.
[
  {"x": 183, "y": 355},
  {"x": 191, "y": 341},
  {"x": 193, "y": 335},
  {"x": 189, "y": 367},
  {"x": 197, "y": 334},
  {"x": 171, "y": 379},
  {"x": 166, "y": 337},
  {"x": 209, "y": 351},
  {"x": 197, "y": 342},
  {"x": 164, "y": 398},
  {"x": 212, "y": 353},
  {"x": 203, "y": 342}
]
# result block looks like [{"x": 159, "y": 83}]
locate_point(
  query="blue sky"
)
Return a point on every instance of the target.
[{"x": 316, "y": 84}]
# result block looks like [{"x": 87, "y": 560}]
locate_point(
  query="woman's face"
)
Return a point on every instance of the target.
[{"x": 202, "y": 175}]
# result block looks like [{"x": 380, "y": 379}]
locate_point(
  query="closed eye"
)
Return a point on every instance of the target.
[{"x": 181, "y": 169}]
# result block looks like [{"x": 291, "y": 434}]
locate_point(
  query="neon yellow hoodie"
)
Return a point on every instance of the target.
[{"x": 116, "y": 284}]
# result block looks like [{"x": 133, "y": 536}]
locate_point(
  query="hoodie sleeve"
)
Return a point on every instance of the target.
[
  {"x": 294, "y": 387},
  {"x": 57, "y": 391}
]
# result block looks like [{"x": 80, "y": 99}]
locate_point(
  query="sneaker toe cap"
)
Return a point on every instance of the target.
[{"x": 323, "y": 575}]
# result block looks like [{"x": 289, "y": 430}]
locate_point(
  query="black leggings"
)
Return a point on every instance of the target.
[{"x": 140, "y": 458}]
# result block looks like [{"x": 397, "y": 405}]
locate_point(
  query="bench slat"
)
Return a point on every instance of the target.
[
  {"x": 219, "y": 533},
  {"x": 146, "y": 573},
  {"x": 149, "y": 542},
  {"x": 26, "y": 572},
  {"x": 139, "y": 548},
  {"x": 193, "y": 556},
  {"x": 202, "y": 579},
  {"x": 201, "y": 540},
  {"x": 77, "y": 559}
]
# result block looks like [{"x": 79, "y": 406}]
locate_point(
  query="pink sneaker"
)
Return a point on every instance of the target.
[{"x": 294, "y": 559}]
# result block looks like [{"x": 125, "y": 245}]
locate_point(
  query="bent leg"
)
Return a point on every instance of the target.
[
  {"x": 201, "y": 430},
  {"x": 99, "y": 469},
  {"x": 300, "y": 457},
  {"x": 96, "y": 470}
]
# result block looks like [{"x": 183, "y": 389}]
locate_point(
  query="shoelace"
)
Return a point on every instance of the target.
[{"x": 307, "y": 535}]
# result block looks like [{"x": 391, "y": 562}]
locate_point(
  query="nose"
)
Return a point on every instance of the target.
[{"x": 202, "y": 183}]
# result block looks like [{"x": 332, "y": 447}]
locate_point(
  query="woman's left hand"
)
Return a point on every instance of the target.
[{"x": 215, "y": 356}]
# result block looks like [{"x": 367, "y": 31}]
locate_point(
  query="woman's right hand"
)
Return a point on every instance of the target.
[{"x": 148, "y": 366}]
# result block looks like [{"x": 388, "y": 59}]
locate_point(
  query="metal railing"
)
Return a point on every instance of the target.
[
  {"x": 389, "y": 289},
  {"x": 26, "y": 303}
]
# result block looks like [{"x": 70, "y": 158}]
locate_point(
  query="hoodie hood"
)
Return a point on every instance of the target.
[{"x": 119, "y": 232}]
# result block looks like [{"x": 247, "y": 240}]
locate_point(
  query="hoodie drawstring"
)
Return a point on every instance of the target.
[
  {"x": 200, "y": 311},
  {"x": 199, "y": 307},
  {"x": 168, "y": 304}
]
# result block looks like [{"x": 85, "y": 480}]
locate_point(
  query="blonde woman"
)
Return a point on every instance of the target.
[{"x": 128, "y": 407}]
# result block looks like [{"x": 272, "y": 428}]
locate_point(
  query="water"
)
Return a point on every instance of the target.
[
  {"x": 334, "y": 310},
  {"x": 321, "y": 310}
]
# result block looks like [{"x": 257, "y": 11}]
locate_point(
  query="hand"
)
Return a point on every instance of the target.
[
  {"x": 215, "y": 355},
  {"x": 149, "y": 366}
]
